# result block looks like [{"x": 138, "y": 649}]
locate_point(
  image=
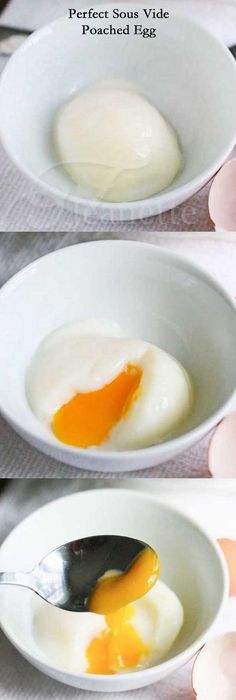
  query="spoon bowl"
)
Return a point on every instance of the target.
[{"x": 66, "y": 576}]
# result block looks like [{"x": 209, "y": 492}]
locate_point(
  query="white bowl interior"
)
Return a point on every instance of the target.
[
  {"x": 152, "y": 294},
  {"x": 176, "y": 71},
  {"x": 190, "y": 564}
]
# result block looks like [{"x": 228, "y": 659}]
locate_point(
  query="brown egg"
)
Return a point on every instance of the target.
[
  {"x": 229, "y": 549},
  {"x": 222, "y": 450},
  {"x": 214, "y": 671},
  {"x": 222, "y": 198}
]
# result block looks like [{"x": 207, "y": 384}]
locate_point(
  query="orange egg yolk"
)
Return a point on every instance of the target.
[
  {"x": 118, "y": 647},
  {"x": 88, "y": 418},
  {"x": 113, "y": 592}
]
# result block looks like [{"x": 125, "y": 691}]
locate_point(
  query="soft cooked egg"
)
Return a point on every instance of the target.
[
  {"x": 115, "y": 144},
  {"x": 137, "y": 636},
  {"x": 95, "y": 389}
]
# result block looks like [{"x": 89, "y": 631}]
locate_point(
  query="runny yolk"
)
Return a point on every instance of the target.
[
  {"x": 113, "y": 592},
  {"x": 118, "y": 647},
  {"x": 87, "y": 419}
]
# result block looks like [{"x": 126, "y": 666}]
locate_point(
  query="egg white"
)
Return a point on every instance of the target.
[
  {"x": 64, "y": 637},
  {"x": 115, "y": 144},
  {"x": 85, "y": 356}
]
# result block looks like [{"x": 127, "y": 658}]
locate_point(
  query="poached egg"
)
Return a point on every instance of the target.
[
  {"x": 114, "y": 144},
  {"x": 95, "y": 389}
]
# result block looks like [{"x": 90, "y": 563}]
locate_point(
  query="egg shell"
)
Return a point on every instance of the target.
[
  {"x": 214, "y": 670},
  {"x": 229, "y": 550},
  {"x": 222, "y": 450},
  {"x": 222, "y": 198}
]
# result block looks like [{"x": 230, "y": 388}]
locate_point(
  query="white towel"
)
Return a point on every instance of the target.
[{"x": 218, "y": 16}]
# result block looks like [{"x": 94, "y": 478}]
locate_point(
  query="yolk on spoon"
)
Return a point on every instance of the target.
[
  {"x": 114, "y": 592},
  {"x": 119, "y": 646},
  {"x": 87, "y": 419}
]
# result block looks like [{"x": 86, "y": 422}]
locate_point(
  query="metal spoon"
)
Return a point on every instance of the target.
[{"x": 68, "y": 574}]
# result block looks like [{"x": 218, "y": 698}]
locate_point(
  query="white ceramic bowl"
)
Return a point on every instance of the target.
[
  {"x": 153, "y": 295},
  {"x": 192, "y": 565},
  {"x": 186, "y": 73}
]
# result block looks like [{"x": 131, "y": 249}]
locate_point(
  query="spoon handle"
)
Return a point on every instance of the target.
[{"x": 14, "y": 579}]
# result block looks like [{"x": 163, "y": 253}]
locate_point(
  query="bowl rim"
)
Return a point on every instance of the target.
[
  {"x": 181, "y": 441},
  {"x": 163, "y": 198},
  {"x": 168, "y": 665}
]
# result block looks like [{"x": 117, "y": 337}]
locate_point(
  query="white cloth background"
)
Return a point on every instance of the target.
[
  {"x": 24, "y": 207},
  {"x": 215, "y": 253},
  {"x": 212, "y": 504}
]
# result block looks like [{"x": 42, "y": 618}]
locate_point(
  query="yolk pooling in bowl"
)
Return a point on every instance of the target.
[
  {"x": 119, "y": 646},
  {"x": 87, "y": 419}
]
